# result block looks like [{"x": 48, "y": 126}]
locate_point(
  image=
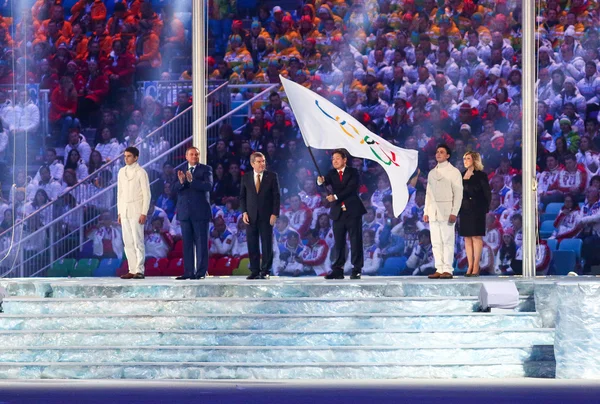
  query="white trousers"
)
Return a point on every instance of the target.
[
  {"x": 442, "y": 244},
  {"x": 133, "y": 240}
]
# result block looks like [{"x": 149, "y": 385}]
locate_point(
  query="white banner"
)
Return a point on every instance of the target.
[{"x": 325, "y": 126}]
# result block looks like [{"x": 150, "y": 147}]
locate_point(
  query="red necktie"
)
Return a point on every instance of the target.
[{"x": 341, "y": 173}]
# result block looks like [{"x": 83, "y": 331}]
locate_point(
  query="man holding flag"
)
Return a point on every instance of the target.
[
  {"x": 346, "y": 212},
  {"x": 325, "y": 126}
]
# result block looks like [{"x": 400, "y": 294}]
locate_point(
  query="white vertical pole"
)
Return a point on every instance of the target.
[
  {"x": 529, "y": 143},
  {"x": 198, "y": 77}
]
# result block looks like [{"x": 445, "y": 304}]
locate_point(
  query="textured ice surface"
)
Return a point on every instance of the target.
[
  {"x": 241, "y": 306},
  {"x": 400, "y": 338},
  {"x": 268, "y": 355},
  {"x": 546, "y": 302},
  {"x": 236, "y": 287},
  {"x": 270, "y": 322},
  {"x": 277, "y": 371},
  {"x": 577, "y": 343}
]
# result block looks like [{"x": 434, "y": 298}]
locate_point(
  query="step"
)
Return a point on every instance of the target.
[
  {"x": 389, "y": 337},
  {"x": 269, "y": 355},
  {"x": 448, "y": 304},
  {"x": 269, "y": 321},
  {"x": 163, "y": 287},
  {"x": 279, "y": 371}
]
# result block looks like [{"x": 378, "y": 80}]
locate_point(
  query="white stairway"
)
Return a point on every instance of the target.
[{"x": 230, "y": 328}]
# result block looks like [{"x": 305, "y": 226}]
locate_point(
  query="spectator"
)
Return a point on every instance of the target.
[
  {"x": 572, "y": 178},
  {"x": 167, "y": 201},
  {"x": 23, "y": 117},
  {"x": 421, "y": 260},
  {"x": 75, "y": 162},
  {"x": 240, "y": 245},
  {"x": 77, "y": 141},
  {"x": 55, "y": 166},
  {"x": 108, "y": 147},
  {"x": 590, "y": 221},
  {"x": 158, "y": 241},
  {"x": 567, "y": 223},
  {"x": 314, "y": 257},
  {"x": 63, "y": 106},
  {"x": 287, "y": 256},
  {"x": 106, "y": 238},
  {"x": 371, "y": 253},
  {"x": 300, "y": 217},
  {"x": 92, "y": 88},
  {"x": 46, "y": 183},
  {"x": 221, "y": 239}
]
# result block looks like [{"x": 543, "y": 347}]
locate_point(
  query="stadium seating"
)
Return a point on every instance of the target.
[
  {"x": 546, "y": 229},
  {"x": 392, "y": 266},
  {"x": 61, "y": 268},
  {"x": 84, "y": 268},
  {"x": 563, "y": 262},
  {"x": 225, "y": 266},
  {"x": 154, "y": 266},
  {"x": 572, "y": 244},
  {"x": 123, "y": 269},
  {"x": 554, "y": 208},
  {"x": 107, "y": 267},
  {"x": 177, "y": 251},
  {"x": 552, "y": 244},
  {"x": 243, "y": 268},
  {"x": 175, "y": 268}
]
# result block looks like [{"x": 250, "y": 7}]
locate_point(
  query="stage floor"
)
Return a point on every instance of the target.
[{"x": 506, "y": 391}]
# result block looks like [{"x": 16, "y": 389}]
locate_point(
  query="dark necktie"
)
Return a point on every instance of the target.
[
  {"x": 341, "y": 175},
  {"x": 192, "y": 170}
]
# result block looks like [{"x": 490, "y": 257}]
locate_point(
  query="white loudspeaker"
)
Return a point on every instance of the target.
[{"x": 498, "y": 295}]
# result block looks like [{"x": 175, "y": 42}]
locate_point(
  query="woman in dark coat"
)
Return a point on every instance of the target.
[{"x": 477, "y": 196}]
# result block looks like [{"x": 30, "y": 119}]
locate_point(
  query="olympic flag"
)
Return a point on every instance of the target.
[{"x": 325, "y": 126}]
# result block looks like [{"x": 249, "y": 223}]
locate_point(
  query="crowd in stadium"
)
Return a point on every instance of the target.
[{"x": 416, "y": 73}]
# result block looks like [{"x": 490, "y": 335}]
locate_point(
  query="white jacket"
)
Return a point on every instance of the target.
[
  {"x": 57, "y": 169},
  {"x": 110, "y": 150},
  {"x": 444, "y": 192},
  {"x": 82, "y": 147},
  {"x": 21, "y": 117},
  {"x": 133, "y": 192},
  {"x": 97, "y": 235}
]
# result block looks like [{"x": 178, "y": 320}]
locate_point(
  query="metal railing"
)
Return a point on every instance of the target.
[
  {"x": 157, "y": 141},
  {"x": 35, "y": 246},
  {"x": 244, "y": 109},
  {"x": 34, "y": 250}
]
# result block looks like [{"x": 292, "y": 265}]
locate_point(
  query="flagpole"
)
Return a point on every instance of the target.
[{"x": 312, "y": 156}]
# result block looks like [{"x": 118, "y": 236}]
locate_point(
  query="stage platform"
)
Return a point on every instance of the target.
[{"x": 296, "y": 328}]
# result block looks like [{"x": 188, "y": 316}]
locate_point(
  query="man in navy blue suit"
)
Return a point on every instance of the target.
[{"x": 194, "y": 213}]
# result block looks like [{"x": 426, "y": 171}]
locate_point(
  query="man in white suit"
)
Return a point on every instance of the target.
[
  {"x": 442, "y": 203},
  {"x": 133, "y": 201}
]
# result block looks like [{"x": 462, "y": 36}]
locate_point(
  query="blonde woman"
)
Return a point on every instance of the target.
[{"x": 475, "y": 205}]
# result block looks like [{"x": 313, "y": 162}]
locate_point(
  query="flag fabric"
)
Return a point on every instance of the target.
[{"x": 325, "y": 126}]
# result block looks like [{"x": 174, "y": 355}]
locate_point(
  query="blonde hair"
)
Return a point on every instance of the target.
[{"x": 477, "y": 164}]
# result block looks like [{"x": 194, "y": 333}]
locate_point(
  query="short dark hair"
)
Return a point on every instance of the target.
[
  {"x": 445, "y": 147},
  {"x": 518, "y": 179},
  {"x": 133, "y": 150},
  {"x": 51, "y": 149},
  {"x": 341, "y": 152},
  {"x": 314, "y": 233},
  {"x": 570, "y": 156},
  {"x": 594, "y": 178}
]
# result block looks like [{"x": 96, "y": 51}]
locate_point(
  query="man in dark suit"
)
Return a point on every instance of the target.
[
  {"x": 346, "y": 212},
  {"x": 259, "y": 202},
  {"x": 194, "y": 213}
]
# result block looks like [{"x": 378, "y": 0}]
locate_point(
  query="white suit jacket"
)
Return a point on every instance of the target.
[
  {"x": 133, "y": 192},
  {"x": 444, "y": 192}
]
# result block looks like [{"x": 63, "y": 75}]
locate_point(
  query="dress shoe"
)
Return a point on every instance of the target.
[
  {"x": 200, "y": 277},
  {"x": 446, "y": 275},
  {"x": 355, "y": 275},
  {"x": 467, "y": 275},
  {"x": 139, "y": 276},
  {"x": 253, "y": 275},
  {"x": 128, "y": 275},
  {"x": 264, "y": 276},
  {"x": 435, "y": 275},
  {"x": 475, "y": 275},
  {"x": 334, "y": 275},
  {"x": 182, "y": 278}
]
